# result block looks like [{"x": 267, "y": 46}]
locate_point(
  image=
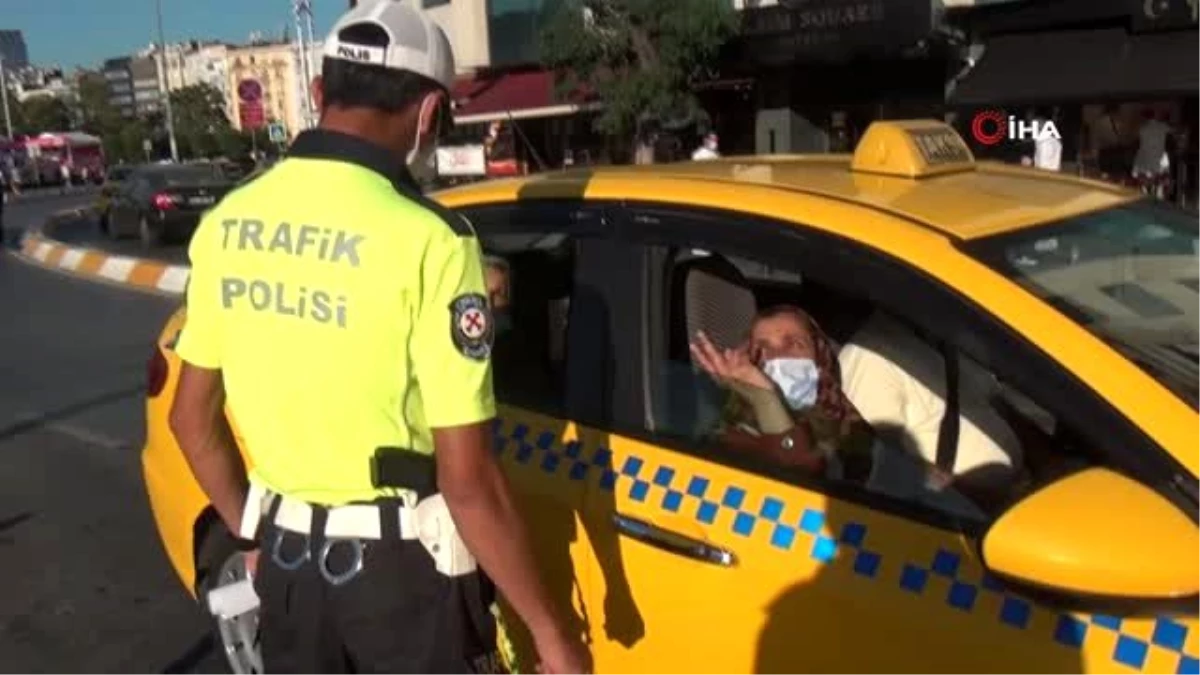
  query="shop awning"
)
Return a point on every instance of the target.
[
  {"x": 1081, "y": 65},
  {"x": 515, "y": 95}
]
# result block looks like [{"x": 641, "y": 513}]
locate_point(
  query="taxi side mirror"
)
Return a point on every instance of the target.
[{"x": 1097, "y": 534}]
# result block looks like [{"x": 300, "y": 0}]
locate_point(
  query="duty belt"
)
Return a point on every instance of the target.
[{"x": 325, "y": 529}]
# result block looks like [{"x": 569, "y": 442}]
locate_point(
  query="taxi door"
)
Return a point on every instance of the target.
[
  {"x": 727, "y": 571},
  {"x": 708, "y": 562}
]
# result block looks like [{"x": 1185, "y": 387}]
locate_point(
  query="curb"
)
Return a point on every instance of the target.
[{"x": 102, "y": 265}]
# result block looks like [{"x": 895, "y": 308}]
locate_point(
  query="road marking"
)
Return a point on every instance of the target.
[
  {"x": 43, "y": 250},
  {"x": 70, "y": 259},
  {"x": 174, "y": 279},
  {"x": 90, "y": 437},
  {"x": 117, "y": 268},
  {"x": 27, "y": 422}
]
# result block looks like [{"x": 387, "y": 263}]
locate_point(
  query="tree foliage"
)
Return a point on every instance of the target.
[
  {"x": 641, "y": 57},
  {"x": 96, "y": 114},
  {"x": 201, "y": 127},
  {"x": 38, "y": 114}
]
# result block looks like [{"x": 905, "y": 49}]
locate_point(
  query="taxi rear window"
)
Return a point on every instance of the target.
[{"x": 1128, "y": 274}]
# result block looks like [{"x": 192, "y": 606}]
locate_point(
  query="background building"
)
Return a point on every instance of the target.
[
  {"x": 172, "y": 70},
  {"x": 31, "y": 82},
  {"x": 274, "y": 67},
  {"x": 207, "y": 64},
  {"x": 13, "y": 50},
  {"x": 120, "y": 84},
  {"x": 466, "y": 25},
  {"x": 133, "y": 84},
  {"x": 147, "y": 92}
]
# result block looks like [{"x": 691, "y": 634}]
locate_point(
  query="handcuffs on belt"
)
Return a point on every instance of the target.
[{"x": 356, "y": 566}]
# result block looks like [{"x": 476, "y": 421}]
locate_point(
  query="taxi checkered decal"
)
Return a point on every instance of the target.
[{"x": 764, "y": 516}]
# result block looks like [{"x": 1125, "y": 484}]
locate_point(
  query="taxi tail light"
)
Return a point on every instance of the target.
[
  {"x": 156, "y": 372},
  {"x": 164, "y": 201}
]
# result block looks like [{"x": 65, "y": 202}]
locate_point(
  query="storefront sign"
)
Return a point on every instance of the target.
[
  {"x": 805, "y": 27},
  {"x": 461, "y": 160},
  {"x": 1152, "y": 15}
]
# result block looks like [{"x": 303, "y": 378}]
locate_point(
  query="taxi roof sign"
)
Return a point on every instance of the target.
[{"x": 912, "y": 149}]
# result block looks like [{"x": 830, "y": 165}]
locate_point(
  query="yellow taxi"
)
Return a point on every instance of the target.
[{"x": 1073, "y": 301}]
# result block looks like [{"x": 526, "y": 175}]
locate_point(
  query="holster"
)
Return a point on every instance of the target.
[
  {"x": 433, "y": 526},
  {"x": 429, "y": 521}
]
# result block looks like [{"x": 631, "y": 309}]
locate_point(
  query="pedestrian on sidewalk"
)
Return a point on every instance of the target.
[
  {"x": 1047, "y": 149},
  {"x": 708, "y": 148},
  {"x": 363, "y": 389}
]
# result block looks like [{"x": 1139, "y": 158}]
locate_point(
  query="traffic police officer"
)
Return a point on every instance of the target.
[{"x": 343, "y": 320}]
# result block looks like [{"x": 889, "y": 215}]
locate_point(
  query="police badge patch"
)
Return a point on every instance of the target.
[{"x": 471, "y": 326}]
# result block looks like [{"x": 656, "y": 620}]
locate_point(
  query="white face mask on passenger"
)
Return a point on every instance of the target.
[{"x": 796, "y": 378}]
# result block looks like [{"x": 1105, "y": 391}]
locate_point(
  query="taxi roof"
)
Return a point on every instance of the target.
[{"x": 974, "y": 199}]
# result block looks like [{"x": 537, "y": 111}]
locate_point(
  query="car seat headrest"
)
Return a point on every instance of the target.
[{"x": 717, "y": 300}]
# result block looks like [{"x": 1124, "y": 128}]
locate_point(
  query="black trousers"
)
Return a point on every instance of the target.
[{"x": 398, "y": 615}]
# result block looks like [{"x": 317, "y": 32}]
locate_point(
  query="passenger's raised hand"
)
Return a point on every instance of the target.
[{"x": 729, "y": 367}]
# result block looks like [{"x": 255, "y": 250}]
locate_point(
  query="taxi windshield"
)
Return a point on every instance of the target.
[{"x": 1128, "y": 274}]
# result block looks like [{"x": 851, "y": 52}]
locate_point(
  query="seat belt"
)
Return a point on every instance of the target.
[{"x": 947, "y": 445}]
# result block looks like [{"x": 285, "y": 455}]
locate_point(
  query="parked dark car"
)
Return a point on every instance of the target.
[{"x": 162, "y": 203}]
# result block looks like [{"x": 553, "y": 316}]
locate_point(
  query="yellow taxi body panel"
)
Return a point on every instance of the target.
[
  {"x": 176, "y": 500},
  {"x": 818, "y": 583}
]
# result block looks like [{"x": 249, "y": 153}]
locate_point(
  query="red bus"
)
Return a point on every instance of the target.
[{"x": 82, "y": 154}]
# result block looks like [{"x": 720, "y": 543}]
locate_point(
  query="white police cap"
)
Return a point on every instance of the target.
[{"x": 414, "y": 42}]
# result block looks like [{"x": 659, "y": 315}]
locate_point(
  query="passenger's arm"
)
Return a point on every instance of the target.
[
  {"x": 453, "y": 368},
  {"x": 782, "y": 438},
  {"x": 197, "y": 415}
]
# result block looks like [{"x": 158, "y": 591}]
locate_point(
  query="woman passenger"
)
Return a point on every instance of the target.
[{"x": 788, "y": 403}]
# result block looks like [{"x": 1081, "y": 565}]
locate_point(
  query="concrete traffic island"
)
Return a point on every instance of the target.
[{"x": 39, "y": 246}]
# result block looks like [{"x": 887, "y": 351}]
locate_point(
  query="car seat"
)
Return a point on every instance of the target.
[{"x": 707, "y": 294}]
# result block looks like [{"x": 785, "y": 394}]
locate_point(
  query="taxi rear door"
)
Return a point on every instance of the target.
[{"x": 543, "y": 246}]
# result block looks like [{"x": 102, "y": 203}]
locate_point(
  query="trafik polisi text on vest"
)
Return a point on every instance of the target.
[{"x": 325, "y": 244}]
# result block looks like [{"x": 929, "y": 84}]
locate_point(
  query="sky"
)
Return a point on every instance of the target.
[{"x": 71, "y": 33}]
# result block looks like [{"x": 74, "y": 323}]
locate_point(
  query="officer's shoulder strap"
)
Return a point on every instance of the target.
[{"x": 457, "y": 222}]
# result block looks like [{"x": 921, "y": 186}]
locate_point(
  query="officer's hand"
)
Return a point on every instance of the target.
[{"x": 563, "y": 654}]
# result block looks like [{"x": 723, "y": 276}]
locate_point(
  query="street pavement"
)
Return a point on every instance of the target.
[{"x": 85, "y": 582}]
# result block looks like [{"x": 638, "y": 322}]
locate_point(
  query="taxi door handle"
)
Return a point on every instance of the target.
[{"x": 673, "y": 542}]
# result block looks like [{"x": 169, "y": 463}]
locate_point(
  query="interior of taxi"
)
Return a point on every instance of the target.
[
  {"x": 1023, "y": 444},
  {"x": 529, "y": 278},
  {"x": 721, "y": 295}
]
